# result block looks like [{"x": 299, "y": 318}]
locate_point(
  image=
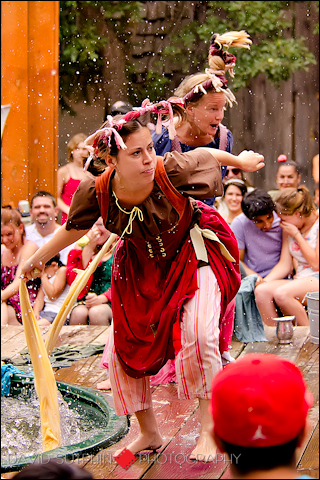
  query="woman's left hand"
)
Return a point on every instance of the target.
[
  {"x": 290, "y": 229},
  {"x": 251, "y": 161}
]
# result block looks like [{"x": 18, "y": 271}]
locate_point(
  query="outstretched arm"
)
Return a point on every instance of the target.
[{"x": 248, "y": 160}]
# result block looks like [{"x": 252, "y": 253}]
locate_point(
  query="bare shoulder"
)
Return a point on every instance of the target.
[
  {"x": 63, "y": 173},
  {"x": 29, "y": 248},
  {"x": 5, "y": 256}
]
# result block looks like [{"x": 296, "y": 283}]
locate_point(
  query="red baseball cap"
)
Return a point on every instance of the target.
[{"x": 260, "y": 400}]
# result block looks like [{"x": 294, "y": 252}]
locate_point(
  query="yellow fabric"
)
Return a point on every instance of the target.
[
  {"x": 76, "y": 287},
  {"x": 197, "y": 234},
  {"x": 44, "y": 380}
]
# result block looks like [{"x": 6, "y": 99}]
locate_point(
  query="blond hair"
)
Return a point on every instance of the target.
[
  {"x": 73, "y": 143},
  {"x": 11, "y": 217},
  {"x": 220, "y": 61},
  {"x": 292, "y": 200}
]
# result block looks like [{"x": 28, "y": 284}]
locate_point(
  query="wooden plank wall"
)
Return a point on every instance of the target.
[
  {"x": 266, "y": 119},
  {"x": 30, "y": 82}
]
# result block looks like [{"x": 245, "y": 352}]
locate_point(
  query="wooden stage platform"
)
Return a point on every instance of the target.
[{"x": 178, "y": 419}]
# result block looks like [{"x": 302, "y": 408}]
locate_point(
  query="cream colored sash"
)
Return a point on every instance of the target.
[{"x": 199, "y": 246}]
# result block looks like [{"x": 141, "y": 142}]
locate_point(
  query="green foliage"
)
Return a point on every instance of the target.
[
  {"x": 275, "y": 51},
  {"x": 81, "y": 43}
]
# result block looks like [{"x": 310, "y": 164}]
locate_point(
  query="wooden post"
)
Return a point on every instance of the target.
[{"x": 30, "y": 84}]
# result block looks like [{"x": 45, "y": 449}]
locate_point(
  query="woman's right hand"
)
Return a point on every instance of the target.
[{"x": 31, "y": 269}]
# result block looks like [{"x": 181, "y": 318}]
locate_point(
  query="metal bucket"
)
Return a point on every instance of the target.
[{"x": 313, "y": 314}]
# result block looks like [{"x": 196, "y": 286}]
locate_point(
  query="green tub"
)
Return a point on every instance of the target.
[{"x": 86, "y": 400}]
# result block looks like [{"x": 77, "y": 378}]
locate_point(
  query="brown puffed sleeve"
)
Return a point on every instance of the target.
[
  {"x": 84, "y": 208},
  {"x": 196, "y": 173}
]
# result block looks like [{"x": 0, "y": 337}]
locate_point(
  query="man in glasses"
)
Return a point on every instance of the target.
[{"x": 232, "y": 172}]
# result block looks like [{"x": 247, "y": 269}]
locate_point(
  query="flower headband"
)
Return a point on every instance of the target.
[
  {"x": 216, "y": 75},
  {"x": 105, "y": 133}
]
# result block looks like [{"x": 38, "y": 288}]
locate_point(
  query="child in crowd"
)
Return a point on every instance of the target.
[
  {"x": 93, "y": 305},
  {"x": 53, "y": 292},
  {"x": 300, "y": 249}
]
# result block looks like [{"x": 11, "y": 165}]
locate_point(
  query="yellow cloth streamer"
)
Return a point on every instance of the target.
[
  {"x": 44, "y": 380},
  {"x": 76, "y": 287}
]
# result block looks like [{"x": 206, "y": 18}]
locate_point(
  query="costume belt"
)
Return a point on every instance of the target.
[{"x": 197, "y": 234}]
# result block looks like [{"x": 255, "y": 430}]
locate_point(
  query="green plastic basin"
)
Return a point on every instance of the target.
[{"x": 85, "y": 400}]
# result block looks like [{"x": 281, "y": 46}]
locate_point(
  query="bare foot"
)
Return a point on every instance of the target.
[
  {"x": 142, "y": 443},
  {"x": 205, "y": 450},
  {"x": 105, "y": 385}
]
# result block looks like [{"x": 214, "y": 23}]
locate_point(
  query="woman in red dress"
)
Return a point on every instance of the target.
[
  {"x": 70, "y": 175},
  {"x": 176, "y": 259}
]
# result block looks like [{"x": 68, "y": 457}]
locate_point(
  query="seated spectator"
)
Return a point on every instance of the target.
[
  {"x": 94, "y": 302},
  {"x": 15, "y": 248},
  {"x": 233, "y": 193},
  {"x": 70, "y": 175},
  {"x": 44, "y": 212},
  {"x": 231, "y": 174},
  {"x": 120, "y": 108},
  {"x": 288, "y": 175},
  {"x": 52, "y": 293},
  {"x": 259, "y": 408},
  {"x": 259, "y": 237},
  {"x": 258, "y": 233},
  {"x": 300, "y": 224}
]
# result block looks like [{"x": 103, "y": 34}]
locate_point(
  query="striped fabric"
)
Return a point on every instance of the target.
[{"x": 197, "y": 362}]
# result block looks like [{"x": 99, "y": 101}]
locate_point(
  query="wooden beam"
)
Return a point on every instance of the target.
[{"x": 30, "y": 84}]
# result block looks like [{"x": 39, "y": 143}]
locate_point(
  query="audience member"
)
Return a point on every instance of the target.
[
  {"x": 233, "y": 192},
  {"x": 288, "y": 175},
  {"x": 44, "y": 213},
  {"x": 52, "y": 293},
  {"x": 15, "y": 248},
  {"x": 94, "y": 302},
  {"x": 231, "y": 174},
  {"x": 259, "y": 237},
  {"x": 71, "y": 174},
  {"x": 120, "y": 108},
  {"x": 258, "y": 233},
  {"x": 259, "y": 408},
  {"x": 300, "y": 224},
  {"x": 52, "y": 468}
]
